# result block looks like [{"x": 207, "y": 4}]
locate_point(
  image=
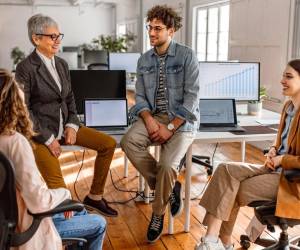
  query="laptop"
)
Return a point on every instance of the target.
[
  {"x": 106, "y": 115},
  {"x": 218, "y": 115}
]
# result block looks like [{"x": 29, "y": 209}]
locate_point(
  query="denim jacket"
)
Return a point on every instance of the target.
[{"x": 182, "y": 85}]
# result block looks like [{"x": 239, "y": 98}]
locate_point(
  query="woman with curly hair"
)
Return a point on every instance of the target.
[{"x": 32, "y": 193}]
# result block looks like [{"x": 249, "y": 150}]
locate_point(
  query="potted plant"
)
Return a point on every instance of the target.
[
  {"x": 255, "y": 107},
  {"x": 17, "y": 55}
]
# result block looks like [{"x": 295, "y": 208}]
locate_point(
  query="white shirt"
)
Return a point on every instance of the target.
[{"x": 50, "y": 65}]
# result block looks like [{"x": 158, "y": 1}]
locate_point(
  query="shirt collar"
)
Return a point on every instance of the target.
[
  {"x": 171, "y": 49},
  {"x": 45, "y": 59},
  {"x": 290, "y": 111}
]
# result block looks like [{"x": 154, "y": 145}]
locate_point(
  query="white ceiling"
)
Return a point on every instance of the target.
[{"x": 59, "y": 2}]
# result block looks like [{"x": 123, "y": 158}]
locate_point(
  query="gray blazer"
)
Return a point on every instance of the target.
[{"x": 43, "y": 97}]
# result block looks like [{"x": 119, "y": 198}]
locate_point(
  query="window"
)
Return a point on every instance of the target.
[
  {"x": 212, "y": 30},
  {"x": 296, "y": 34}
]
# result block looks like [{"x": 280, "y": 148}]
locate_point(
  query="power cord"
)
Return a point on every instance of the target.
[
  {"x": 74, "y": 185},
  {"x": 141, "y": 194},
  {"x": 209, "y": 177}
]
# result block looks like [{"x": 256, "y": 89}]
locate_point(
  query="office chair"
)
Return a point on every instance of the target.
[
  {"x": 265, "y": 213},
  {"x": 200, "y": 160},
  {"x": 97, "y": 66},
  {"x": 9, "y": 211}
]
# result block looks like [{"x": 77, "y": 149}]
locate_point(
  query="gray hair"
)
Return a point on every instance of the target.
[{"x": 37, "y": 25}]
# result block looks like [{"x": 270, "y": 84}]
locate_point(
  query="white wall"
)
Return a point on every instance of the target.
[
  {"x": 259, "y": 31},
  {"x": 128, "y": 12},
  {"x": 78, "y": 25}
]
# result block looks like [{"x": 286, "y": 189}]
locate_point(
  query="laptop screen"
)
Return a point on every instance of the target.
[
  {"x": 105, "y": 112},
  {"x": 217, "y": 112}
]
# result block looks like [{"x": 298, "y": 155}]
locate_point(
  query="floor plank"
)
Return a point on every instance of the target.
[{"x": 128, "y": 230}]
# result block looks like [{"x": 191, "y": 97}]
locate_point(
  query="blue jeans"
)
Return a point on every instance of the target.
[{"x": 82, "y": 225}]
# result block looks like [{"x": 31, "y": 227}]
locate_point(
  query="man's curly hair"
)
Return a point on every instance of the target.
[
  {"x": 14, "y": 116},
  {"x": 167, "y": 15}
]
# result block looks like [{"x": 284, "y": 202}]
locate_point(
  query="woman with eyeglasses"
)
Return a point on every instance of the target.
[
  {"x": 32, "y": 193},
  {"x": 50, "y": 100}
]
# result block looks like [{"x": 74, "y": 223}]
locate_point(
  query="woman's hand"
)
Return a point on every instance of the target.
[
  {"x": 272, "y": 152},
  {"x": 277, "y": 160},
  {"x": 70, "y": 136},
  {"x": 55, "y": 148},
  {"x": 68, "y": 214}
]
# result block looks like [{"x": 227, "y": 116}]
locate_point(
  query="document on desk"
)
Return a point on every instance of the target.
[{"x": 267, "y": 121}]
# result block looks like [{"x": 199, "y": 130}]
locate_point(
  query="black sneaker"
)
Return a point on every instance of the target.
[
  {"x": 155, "y": 228},
  {"x": 100, "y": 206},
  {"x": 176, "y": 201}
]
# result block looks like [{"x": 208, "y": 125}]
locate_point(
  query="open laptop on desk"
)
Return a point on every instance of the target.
[
  {"x": 218, "y": 115},
  {"x": 106, "y": 115}
]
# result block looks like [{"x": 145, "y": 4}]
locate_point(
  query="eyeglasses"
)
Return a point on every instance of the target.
[
  {"x": 156, "y": 29},
  {"x": 53, "y": 37}
]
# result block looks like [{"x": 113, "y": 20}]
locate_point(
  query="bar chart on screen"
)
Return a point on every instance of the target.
[{"x": 229, "y": 80}]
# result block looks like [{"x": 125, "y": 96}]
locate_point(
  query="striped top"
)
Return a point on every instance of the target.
[{"x": 161, "y": 102}]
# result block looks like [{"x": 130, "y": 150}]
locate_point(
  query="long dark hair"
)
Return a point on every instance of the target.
[{"x": 295, "y": 64}]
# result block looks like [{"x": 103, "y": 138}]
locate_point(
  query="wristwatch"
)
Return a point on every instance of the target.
[{"x": 171, "y": 127}]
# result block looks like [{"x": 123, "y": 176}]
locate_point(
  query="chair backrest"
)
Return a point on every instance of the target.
[
  {"x": 8, "y": 201},
  {"x": 97, "y": 66}
]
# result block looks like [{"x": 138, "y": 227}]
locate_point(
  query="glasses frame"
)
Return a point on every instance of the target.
[
  {"x": 52, "y": 36},
  {"x": 156, "y": 29}
]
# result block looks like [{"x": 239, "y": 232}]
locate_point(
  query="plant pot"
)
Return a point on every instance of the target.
[{"x": 254, "y": 108}]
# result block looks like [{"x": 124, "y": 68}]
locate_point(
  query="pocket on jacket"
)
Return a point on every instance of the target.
[
  {"x": 175, "y": 76},
  {"x": 149, "y": 76}
]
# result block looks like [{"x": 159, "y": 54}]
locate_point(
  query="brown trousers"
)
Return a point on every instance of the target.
[
  {"x": 234, "y": 185},
  {"x": 86, "y": 137}
]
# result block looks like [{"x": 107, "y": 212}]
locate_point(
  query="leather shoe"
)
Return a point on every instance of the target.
[{"x": 101, "y": 206}]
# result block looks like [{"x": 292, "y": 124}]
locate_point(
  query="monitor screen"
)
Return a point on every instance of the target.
[
  {"x": 230, "y": 80},
  {"x": 96, "y": 111},
  {"x": 217, "y": 111},
  {"x": 95, "y": 56},
  {"x": 71, "y": 58},
  {"x": 124, "y": 61},
  {"x": 97, "y": 84}
]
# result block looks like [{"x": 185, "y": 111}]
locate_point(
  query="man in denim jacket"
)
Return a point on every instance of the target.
[{"x": 166, "y": 113}]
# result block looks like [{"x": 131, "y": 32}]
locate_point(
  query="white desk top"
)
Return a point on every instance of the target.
[{"x": 244, "y": 120}]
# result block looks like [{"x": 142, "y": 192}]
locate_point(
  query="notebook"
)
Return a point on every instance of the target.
[
  {"x": 107, "y": 115},
  {"x": 218, "y": 115}
]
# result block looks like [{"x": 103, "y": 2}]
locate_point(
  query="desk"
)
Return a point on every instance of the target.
[{"x": 208, "y": 137}]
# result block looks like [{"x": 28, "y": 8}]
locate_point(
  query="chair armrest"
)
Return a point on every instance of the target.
[
  {"x": 67, "y": 205},
  {"x": 292, "y": 175}
]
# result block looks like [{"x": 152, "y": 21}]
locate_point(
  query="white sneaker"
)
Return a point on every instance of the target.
[{"x": 207, "y": 245}]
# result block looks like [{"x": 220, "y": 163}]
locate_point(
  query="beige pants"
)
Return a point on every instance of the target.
[
  {"x": 161, "y": 175},
  {"x": 234, "y": 185}
]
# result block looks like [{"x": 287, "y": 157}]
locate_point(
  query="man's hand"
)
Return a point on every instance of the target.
[
  {"x": 151, "y": 124},
  {"x": 70, "y": 136},
  {"x": 55, "y": 148},
  {"x": 162, "y": 135}
]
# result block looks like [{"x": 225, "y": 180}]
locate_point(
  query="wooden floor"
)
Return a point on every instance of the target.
[{"x": 128, "y": 230}]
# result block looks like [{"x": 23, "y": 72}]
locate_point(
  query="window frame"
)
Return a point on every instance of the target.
[{"x": 207, "y": 7}]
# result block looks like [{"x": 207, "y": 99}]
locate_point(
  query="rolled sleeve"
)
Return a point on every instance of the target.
[
  {"x": 188, "y": 110},
  {"x": 72, "y": 125}
]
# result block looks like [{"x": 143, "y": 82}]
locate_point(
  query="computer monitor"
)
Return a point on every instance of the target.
[
  {"x": 124, "y": 61},
  {"x": 71, "y": 58},
  {"x": 97, "y": 84},
  {"x": 237, "y": 80},
  {"x": 70, "y": 48},
  {"x": 95, "y": 56}
]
